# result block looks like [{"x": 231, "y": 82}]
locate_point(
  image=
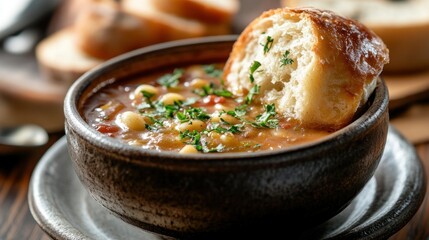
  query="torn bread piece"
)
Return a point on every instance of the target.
[{"x": 315, "y": 66}]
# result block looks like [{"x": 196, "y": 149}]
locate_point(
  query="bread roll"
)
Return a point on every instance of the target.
[
  {"x": 171, "y": 27},
  {"x": 402, "y": 25},
  {"x": 318, "y": 67},
  {"x": 210, "y": 11},
  {"x": 104, "y": 31},
  {"x": 60, "y": 59}
]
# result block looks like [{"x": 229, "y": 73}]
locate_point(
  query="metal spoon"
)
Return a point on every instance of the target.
[{"x": 20, "y": 139}]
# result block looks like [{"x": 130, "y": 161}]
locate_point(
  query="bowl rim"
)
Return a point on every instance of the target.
[{"x": 122, "y": 150}]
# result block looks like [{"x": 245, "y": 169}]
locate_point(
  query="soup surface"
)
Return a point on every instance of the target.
[{"x": 188, "y": 110}]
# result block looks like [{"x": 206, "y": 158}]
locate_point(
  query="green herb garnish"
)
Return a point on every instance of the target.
[
  {"x": 212, "y": 90},
  {"x": 157, "y": 124},
  {"x": 192, "y": 114},
  {"x": 266, "y": 119},
  {"x": 238, "y": 112},
  {"x": 253, "y": 91},
  {"x": 257, "y": 145},
  {"x": 147, "y": 95},
  {"x": 168, "y": 111},
  {"x": 253, "y": 68},
  {"x": 171, "y": 80},
  {"x": 194, "y": 137},
  {"x": 222, "y": 93},
  {"x": 268, "y": 44},
  {"x": 228, "y": 128},
  {"x": 285, "y": 59},
  {"x": 212, "y": 71}
]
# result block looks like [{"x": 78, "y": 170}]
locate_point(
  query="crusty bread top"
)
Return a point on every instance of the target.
[
  {"x": 170, "y": 27},
  {"x": 104, "y": 31},
  {"x": 60, "y": 60},
  {"x": 403, "y": 26},
  {"x": 60, "y": 51},
  {"x": 336, "y": 63}
]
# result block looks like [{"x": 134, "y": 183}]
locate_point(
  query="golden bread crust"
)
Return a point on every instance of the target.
[
  {"x": 199, "y": 10},
  {"x": 104, "y": 31},
  {"x": 402, "y": 25},
  {"x": 60, "y": 60},
  {"x": 346, "y": 60}
]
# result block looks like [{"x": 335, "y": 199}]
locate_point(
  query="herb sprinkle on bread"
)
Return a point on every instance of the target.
[{"x": 315, "y": 66}]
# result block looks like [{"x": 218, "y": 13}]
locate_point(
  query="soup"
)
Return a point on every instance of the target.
[{"x": 187, "y": 110}]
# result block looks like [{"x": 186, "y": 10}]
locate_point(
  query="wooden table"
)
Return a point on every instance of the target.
[{"x": 16, "y": 221}]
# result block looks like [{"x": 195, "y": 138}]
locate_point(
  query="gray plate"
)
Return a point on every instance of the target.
[{"x": 63, "y": 208}]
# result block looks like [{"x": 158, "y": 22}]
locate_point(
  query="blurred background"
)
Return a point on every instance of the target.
[{"x": 46, "y": 44}]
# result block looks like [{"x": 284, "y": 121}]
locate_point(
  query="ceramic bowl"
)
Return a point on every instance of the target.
[{"x": 205, "y": 195}]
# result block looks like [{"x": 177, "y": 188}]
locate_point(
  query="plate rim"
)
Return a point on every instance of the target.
[{"x": 379, "y": 228}]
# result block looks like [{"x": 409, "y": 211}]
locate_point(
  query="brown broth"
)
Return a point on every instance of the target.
[{"x": 213, "y": 122}]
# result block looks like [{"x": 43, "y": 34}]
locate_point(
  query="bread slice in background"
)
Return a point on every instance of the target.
[
  {"x": 336, "y": 64},
  {"x": 170, "y": 26},
  {"x": 403, "y": 26},
  {"x": 60, "y": 60},
  {"x": 209, "y": 11},
  {"x": 87, "y": 32},
  {"x": 104, "y": 31}
]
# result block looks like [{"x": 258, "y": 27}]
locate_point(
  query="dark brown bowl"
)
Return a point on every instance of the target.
[{"x": 192, "y": 195}]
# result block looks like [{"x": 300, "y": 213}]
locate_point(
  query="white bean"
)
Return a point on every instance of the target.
[
  {"x": 197, "y": 83},
  {"x": 170, "y": 98},
  {"x": 226, "y": 117},
  {"x": 188, "y": 149},
  {"x": 228, "y": 138},
  {"x": 132, "y": 120},
  {"x": 192, "y": 125}
]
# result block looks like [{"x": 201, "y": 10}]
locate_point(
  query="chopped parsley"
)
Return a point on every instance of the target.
[
  {"x": 171, "y": 80},
  {"x": 238, "y": 112},
  {"x": 156, "y": 124},
  {"x": 285, "y": 59},
  {"x": 257, "y": 145},
  {"x": 268, "y": 44},
  {"x": 253, "y": 68},
  {"x": 212, "y": 90},
  {"x": 266, "y": 120},
  {"x": 253, "y": 91},
  {"x": 168, "y": 111},
  {"x": 148, "y": 95},
  {"x": 236, "y": 128},
  {"x": 192, "y": 114},
  {"x": 194, "y": 138},
  {"x": 212, "y": 71}
]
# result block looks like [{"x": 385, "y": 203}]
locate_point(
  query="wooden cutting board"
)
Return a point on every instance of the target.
[{"x": 407, "y": 88}]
